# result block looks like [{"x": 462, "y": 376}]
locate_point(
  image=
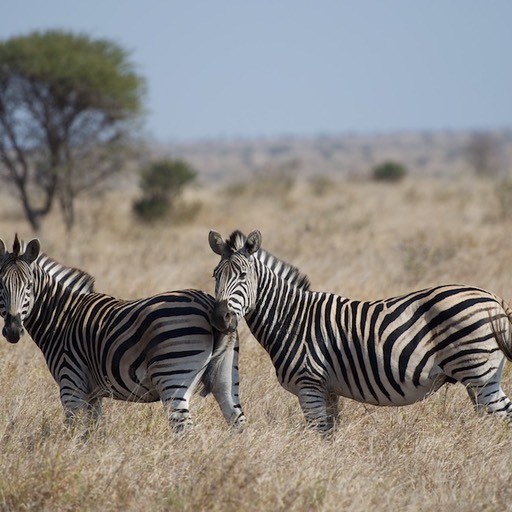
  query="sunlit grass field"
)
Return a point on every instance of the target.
[{"x": 361, "y": 239}]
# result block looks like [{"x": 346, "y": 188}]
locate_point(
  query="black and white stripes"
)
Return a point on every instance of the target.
[
  {"x": 97, "y": 346},
  {"x": 389, "y": 352}
]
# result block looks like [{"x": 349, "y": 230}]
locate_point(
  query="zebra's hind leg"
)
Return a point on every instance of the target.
[
  {"x": 313, "y": 401},
  {"x": 178, "y": 412},
  {"x": 490, "y": 397},
  {"x": 175, "y": 394}
]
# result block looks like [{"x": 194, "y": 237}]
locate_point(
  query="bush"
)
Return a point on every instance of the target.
[
  {"x": 150, "y": 209},
  {"x": 161, "y": 182},
  {"x": 389, "y": 171}
]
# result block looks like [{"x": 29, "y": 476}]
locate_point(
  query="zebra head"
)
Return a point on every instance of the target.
[
  {"x": 16, "y": 279},
  {"x": 235, "y": 276}
]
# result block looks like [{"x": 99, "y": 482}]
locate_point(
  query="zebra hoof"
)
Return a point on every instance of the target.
[
  {"x": 180, "y": 423},
  {"x": 238, "y": 424}
]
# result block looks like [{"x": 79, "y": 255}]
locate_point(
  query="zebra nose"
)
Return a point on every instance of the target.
[
  {"x": 222, "y": 318},
  {"x": 13, "y": 328}
]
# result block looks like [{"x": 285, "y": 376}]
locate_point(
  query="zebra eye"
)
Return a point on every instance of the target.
[{"x": 243, "y": 275}]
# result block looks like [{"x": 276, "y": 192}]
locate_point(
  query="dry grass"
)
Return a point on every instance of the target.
[{"x": 365, "y": 240}]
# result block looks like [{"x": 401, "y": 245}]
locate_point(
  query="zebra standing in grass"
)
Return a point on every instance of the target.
[
  {"x": 388, "y": 352},
  {"x": 97, "y": 346}
]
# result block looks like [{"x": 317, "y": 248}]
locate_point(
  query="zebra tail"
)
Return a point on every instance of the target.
[
  {"x": 504, "y": 342},
  {"x": 222, "y": 344}
]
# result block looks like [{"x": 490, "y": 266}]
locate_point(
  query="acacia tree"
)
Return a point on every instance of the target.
[{"x": 68, "y": 106}]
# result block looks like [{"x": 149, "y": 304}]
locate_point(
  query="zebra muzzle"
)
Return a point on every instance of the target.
[
  {"x": 223, "y": 319},
  {"x": 13, "y": 328}
]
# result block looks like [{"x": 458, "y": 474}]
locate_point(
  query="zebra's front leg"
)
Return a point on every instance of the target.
[
  {"x": 80, "y": 409},
  {"x": 332, "y": 408},
  {"x": 313, "y": 401}
]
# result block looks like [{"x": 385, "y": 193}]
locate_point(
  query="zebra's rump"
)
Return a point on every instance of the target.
[{"x": 137, "y": 350}]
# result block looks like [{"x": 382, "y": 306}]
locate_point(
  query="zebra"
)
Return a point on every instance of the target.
[
  {"x": 395, "y": 351},
  {"x": 97, "y": 346}
]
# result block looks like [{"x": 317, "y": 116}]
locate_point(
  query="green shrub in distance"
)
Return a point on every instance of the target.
[
  {"x": 150, "y": 209},
  {"x": 389, "y": 171},
  {"x": 161, "y": 182}
]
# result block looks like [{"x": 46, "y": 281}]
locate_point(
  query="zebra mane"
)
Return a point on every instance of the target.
[
  {"x": 72, "y": 278},
  {"x": 16, "y": 246},
  {"x": 286, "y": 271}
]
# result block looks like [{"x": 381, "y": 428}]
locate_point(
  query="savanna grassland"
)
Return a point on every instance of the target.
[{"x": 358, "y": 238}]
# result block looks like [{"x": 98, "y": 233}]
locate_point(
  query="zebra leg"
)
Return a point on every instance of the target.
[
  {"x": 225, "y": 389},
  {"x": 82, "y": 414},
  {"x": 332, "y": 408},
  {"x": 179, "y": 414},
  {"x": 77, "y": 402},
  {"x": 175, "y": 396},
  {"x": 94, "y": 409},
  {"x": 490, "y": 397},
  {"x": 313, "y": 401}
]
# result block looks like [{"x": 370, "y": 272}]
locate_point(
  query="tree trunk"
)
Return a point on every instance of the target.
[{"x": 33, "y": 216}]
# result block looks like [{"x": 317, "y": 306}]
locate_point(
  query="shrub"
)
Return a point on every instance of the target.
[
  {"x": 389, "y": 171},
  {"x": 161, "y": 182},
  {"x": 150, "y": 209}
]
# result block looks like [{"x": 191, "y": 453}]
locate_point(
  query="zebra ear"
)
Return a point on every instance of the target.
[
  {"x": 3, "y": 249},
  {"x": 32, "y": 251},
  {"x": 217, "y": 244},
  {"x": 253, "y": 242}
]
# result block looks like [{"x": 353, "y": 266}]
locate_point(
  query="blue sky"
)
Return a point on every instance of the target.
[{"x": 266, "y": 68}]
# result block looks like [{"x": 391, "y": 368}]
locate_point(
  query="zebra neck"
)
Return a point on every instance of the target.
[
  {"x": 49, "y": 316},
  {"x": 275, "y": 311}
]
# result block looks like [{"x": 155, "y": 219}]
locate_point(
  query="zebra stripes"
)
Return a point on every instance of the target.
[
  {"x": 388, "y": 352},
  {"x": 97, "y": 346}
]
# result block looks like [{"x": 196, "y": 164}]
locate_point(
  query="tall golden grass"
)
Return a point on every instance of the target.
[{"x": 361, "y": 239}]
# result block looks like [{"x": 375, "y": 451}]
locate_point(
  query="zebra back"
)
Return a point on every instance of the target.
[{"x": 286, "y": 271}]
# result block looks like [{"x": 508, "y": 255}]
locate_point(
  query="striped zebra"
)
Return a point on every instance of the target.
[
  {"x": 97, "y": 346},
  {"x": 395, "y": 351}
]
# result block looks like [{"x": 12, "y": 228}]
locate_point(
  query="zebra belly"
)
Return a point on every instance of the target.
[
  {"x": 365, "y": 388},
  {"x": 142, "y": 391},
  {"x": 407, "y": 393},
  {"x": 145, "y": 398}
]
